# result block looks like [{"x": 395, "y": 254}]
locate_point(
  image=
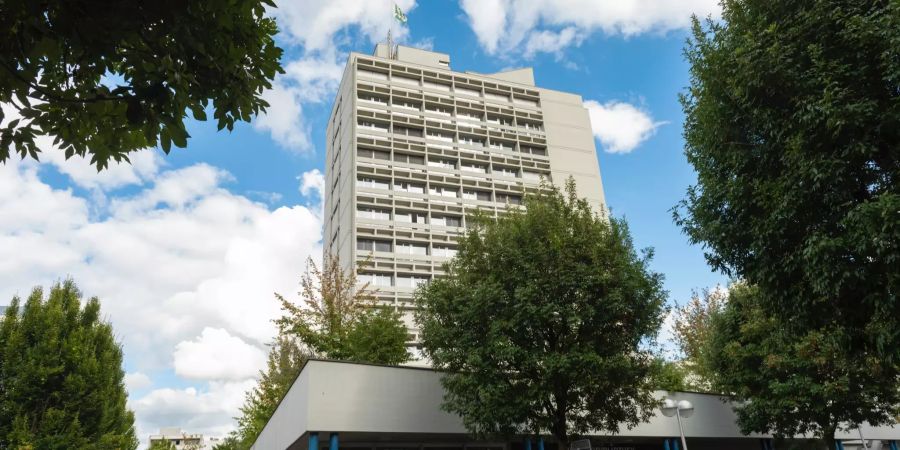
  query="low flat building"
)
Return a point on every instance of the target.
[
  {"x": 347, "y": 406},
  {"x": 183, "y": 440}
]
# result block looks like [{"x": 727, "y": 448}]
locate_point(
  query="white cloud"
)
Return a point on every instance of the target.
[
  {"x": 621, "y": 127},
  {"x": 137, "y": 381},
  {"x": 284, "y": 118},
  {"x": 207, "y": 411},
  {"x": 312, "y": 182},
  {"x": 217, "y": 355},
  {"x": 176, "y": 257},
  {"x": 503, "y": 25}
]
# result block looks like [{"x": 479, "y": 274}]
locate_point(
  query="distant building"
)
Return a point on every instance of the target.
[{"x": 184, "y": 440}]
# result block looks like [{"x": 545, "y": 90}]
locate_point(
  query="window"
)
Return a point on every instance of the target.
[
  {"x": 374, "y": 154},
  {"x": 371, "y": 245},
  {"x": 409, "y": 159},
  {"x": 467, "y": 91},
  {"x": 473, "y": 167},
  {"x": 404, "y": 186},
  {"x": 471, "y": 140},
  {"x": 472, "y": 194},
  {"x": 373, "y": 183},
  {"x": 376, "y": 279},
  {"x": 443, "y": 251},
  {"x": 506, "y": 171},
  {"x": 410, "y": 217},
  {"x": 415, "y": 132},
  {"x": 410, "y": 281},
  {"x": 410, "y": 248},
  {"x": 444, "y": 191},
  {"x": 447, "y": 221},
  {"x": 438, "y": 109},
  {"x": 436, "y": 85},
  {"x": 440, "y": 136},
  {"x": 406, "y": 80},
  {"x": 525, "y": 101},
  {"x": 406, "y": 104},
  {"x": 377, "y": 126},
  {"x": 373, "y": 74},
  {"x": 534, "y": 150},
  {"x": 533, "y": 126},
  {"x": 442, "y": 163},
  {"x": 496, "y": 96},
  {"x": 372, "y": 98},
  {"x": 511, "y": 199},
  {"x": 501, "y": 145},
  {"x": 468, "y": 115},
  {"x": 499, "y": 119},
  {"x": 373, "y": 213},
  {"x": 534, "y": 176}
]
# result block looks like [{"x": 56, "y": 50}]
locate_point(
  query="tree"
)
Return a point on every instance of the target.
[
  {"x": 162, "y": 445},
  {"x": 61, "y": 379},
  {"x": 541, "y": 320},
  {"x": 285, "y": 360},
  {"x": 790, "y": 385},
  {"x": 670, "y": 375},
  {"x": 693, "y": 333},
  {"x": 108, "y": 78},
  {"x": 793, "y": 126},
  {"x": 339, "y": 319}
]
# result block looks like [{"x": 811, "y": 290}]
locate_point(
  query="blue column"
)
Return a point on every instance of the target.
[
  {"x": 540, "y": 443},
  {"x": 313, "y": 441},
  {"x": 839, "y": 445},
  {"x": 666, "y": 444},
  {"x": 528, "y": 443},
  {"x": 677, "y": 442},
  {"x": 333, "y": 441},
  {"x": 894, "y": 445}
]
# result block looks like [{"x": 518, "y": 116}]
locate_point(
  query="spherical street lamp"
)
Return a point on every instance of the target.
[{"x": 679, "y": 409}]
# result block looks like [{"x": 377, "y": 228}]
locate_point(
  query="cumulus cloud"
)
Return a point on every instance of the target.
[
  {"x": 312, "y": 182},
  {"x": 208, "y": 411},
  {"x": 136, "y": 381},
  {"x": 621, "y": 127},
  {"x": 504, "y": 25},
  {"x": 181, "y": 266},
  {"x": 217, "y": 355}
]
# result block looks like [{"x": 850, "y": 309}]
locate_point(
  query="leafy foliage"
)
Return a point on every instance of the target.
[
  {"x": 793, "y": 126},
  {"x": 285, "y": 360},
  {"x": 670, "y": 375},
  {"x": 107, "y": 78},
  {"x": 540, "y": 321},
  {"x": 162, "y": 445},
  {"x": 339, "y": 320},
  {"x": 693, "y": 329},
  {"x": 61, "y": 379},
  {"x": 808, "y": 384}
]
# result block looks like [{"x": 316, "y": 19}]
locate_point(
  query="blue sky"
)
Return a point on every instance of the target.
[{"x": 185, "y": 250}]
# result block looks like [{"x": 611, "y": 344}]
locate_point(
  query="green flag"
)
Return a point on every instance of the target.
[{"x": 398, "y": 14}]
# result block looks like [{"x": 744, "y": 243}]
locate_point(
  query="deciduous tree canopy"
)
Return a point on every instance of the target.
[
  {"x": 540, "y": 322},
  {"x": 105, "y": 78}
]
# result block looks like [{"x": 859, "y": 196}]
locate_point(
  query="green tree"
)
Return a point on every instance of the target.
[
  {"x": 693, "y": 329},
  {"x": 542, "y": 320},
  {"x": 812, "y": 384},
  {"x": 108, "y": 78},
  {"x": 670, "y": 375},
  {"x": 162, "y": 445},
  {"x": 61, "y": 379},
  {"x": 339, "y": 319},
  {"x": 793, "y": 126}
]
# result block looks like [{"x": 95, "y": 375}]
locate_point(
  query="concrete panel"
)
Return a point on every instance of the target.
[{"x": 290, "y": 420}]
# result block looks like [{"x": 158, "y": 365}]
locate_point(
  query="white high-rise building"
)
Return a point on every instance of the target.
[{"x": 413, "y": 147}]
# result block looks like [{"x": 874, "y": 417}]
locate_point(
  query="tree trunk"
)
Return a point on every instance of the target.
[{"x": 828, "y": 437}]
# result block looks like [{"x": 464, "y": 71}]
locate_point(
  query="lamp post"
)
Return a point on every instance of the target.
[{"x": 679, "y": 409}]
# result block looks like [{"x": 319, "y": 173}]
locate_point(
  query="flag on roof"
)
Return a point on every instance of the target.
[{"x": 398, "y": 14}]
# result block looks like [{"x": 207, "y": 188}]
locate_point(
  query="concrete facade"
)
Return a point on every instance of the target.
[
  {"x": 379, "y": 407},
  {"x": 413, "y": 148}
]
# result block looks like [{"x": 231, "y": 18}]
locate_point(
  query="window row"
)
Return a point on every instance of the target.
[
  {"x": 475, "y": 91},
  {"x": 453, "y": 164},
  {"x": 460, "y": 112},
  {"x": 404, "y": 248},
  {"x": 449, "y": 137},
  {"x": 439, "y": 190},
  {"x": 366, "y": 212},
  {"x": 387, "y": 280}
]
